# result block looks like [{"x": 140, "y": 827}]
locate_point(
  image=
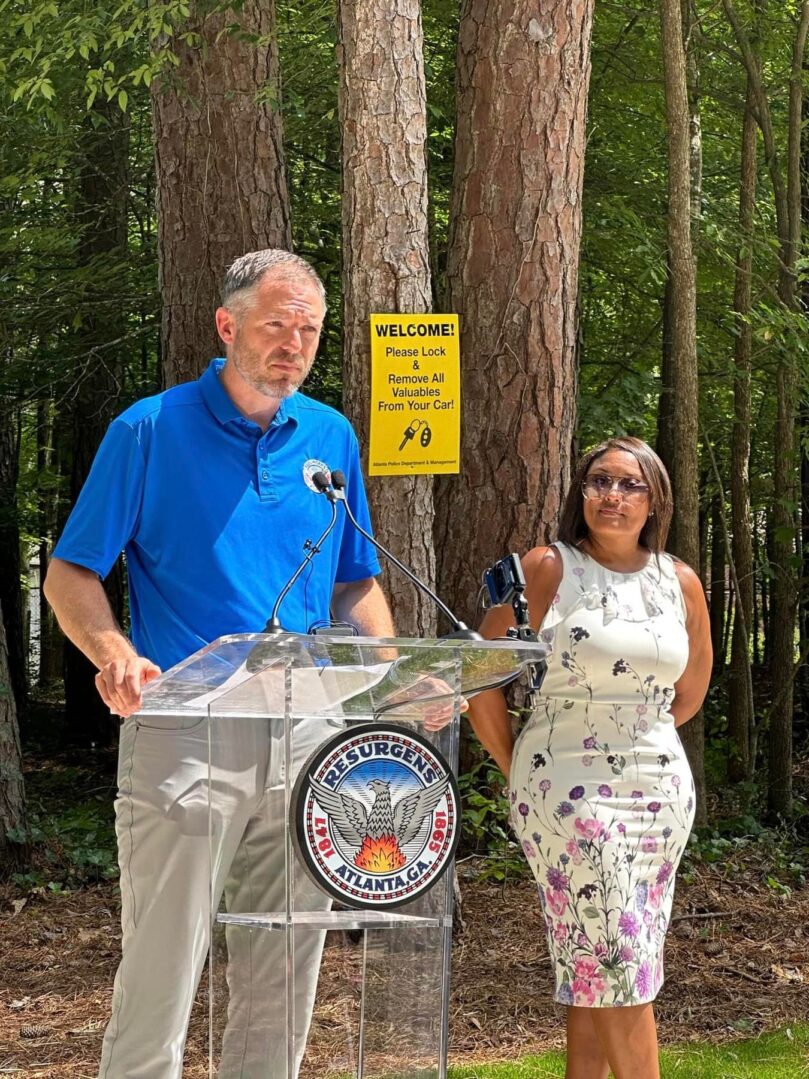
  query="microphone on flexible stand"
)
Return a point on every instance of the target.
[
  {"x": 336, "y": 492},
  {"x": 321, "y": 482}
]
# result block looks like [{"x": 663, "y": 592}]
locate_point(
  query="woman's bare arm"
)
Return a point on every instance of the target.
[
  {"x": 488, "y": 714},
  {"x": 692, "y": 685}
]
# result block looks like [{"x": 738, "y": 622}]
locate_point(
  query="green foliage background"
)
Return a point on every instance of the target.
[
  {"x": 58, "y": 63},
  {"x": 65, "y": 68}
]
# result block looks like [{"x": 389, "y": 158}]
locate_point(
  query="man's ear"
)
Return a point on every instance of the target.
[{"x": 225, "y": 324}]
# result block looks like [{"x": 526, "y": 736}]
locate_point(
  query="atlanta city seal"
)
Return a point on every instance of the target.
[{"x": 375, "y": 816}]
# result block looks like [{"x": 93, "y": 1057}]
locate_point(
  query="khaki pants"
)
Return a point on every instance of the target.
[{"x": 172, "y": 842}]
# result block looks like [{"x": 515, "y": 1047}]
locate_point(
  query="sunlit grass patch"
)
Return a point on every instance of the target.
[{"x": 784, "y": 1055}]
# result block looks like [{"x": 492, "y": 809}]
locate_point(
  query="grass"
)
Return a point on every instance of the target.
[{"x": 784, "y": 1055}]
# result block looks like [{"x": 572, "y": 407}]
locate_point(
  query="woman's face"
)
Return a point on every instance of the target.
[{"x": 616, "y": 497}]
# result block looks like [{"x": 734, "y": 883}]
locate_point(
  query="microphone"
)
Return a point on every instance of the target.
[
  {"x": 321, "y": 482},
  {"x": 336, "y": 492}
]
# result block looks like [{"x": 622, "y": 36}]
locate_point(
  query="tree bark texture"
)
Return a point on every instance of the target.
[
  {"x": 667, "y": 403},
  {"x": 100, "y": 207},
  {"x": 386, "y": 255},
  {"x": 221, "y": 182},
  {"x": 13, "y": 851},
  {"x": 684, "y": 462},
  {"x": 515, "y": 226},
  {"x": 741, "y": 717}
]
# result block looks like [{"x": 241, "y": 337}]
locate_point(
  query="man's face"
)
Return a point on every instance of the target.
[{"x": 272, "y": 334}]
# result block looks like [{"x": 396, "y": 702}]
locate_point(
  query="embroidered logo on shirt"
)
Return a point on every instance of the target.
[{"x": 310, "y": 467}]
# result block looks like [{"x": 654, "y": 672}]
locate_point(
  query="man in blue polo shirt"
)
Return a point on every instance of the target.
[{"x": 206, "y": 489}]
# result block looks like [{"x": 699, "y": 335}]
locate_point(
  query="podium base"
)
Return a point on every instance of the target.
[{"x": 337, "y": 919}]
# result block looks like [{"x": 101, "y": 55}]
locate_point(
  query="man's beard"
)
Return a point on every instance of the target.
[{"x": 277, "y": 388}]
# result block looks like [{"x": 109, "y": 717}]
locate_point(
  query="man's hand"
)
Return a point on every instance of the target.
[
  {"x": 439, "y": 714},
  {"x": 120, "y": 683},
  {"x": 84, "y": 614},
  {"x": 421, "y": 707}
]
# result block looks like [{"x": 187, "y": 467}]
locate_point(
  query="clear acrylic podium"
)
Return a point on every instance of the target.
[{"x": 296, "y": 983}]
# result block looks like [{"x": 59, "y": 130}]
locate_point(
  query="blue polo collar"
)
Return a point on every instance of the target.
[{"x": 223, "y": 409}]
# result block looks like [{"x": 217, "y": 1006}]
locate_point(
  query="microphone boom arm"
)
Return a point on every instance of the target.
[
  {"x": 337, "y": 493},
  {"x": 273, "y": 625}
]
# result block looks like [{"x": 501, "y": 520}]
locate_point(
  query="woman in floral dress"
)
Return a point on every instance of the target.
[{"x": 602, "y": 795}]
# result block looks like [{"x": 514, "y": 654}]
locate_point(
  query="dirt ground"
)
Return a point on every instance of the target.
[{"x": 737, "y": 964}]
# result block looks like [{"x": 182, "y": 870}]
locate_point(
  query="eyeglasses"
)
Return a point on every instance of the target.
[{"x": 601, "y": 485}]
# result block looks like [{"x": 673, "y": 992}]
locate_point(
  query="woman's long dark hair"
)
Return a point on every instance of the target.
[{"x": 572, "y": 527}]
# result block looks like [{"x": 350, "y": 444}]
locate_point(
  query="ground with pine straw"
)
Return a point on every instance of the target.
[{"x": 737, "y": 963}]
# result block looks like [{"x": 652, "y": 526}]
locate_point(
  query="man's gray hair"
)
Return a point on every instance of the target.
[{"x": 247, "y": 271}]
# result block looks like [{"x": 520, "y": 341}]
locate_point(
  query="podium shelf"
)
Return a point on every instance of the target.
[{"x": 337, "y": 919}]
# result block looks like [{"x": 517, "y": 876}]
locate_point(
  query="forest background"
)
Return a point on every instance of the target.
[{"x": 615, "y": 198}]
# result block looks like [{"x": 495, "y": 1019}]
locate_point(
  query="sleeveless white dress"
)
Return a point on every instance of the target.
[{"x": 601, "y": 791}]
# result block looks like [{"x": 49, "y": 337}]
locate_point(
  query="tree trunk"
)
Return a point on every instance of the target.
[
  {"x": 728, "y": 626},
  {"x": 101, "y": 219},
  {"x": 691, "y": 37},
  {"x": 802, "y": 706},
  {"x": 50, "y": 639},
  {"x": 787, "y": 203},
  {"x": 785, "y": 585},
  {"x": 512, "y": 272},
  {"x": 13, "y": 822},
  {"x": 684, "y": 540},
  {"x": 766, "y": 588},
  {"x": 758, "y": 595},
  {"x": 11, "y": 598},
  {"x": 741, "y": 718},
  {"x": 718, "y": 597},
  {"x": 784, "y": 597},
  {"x": 11, "y": 591},
  {"x": 704, "y": 521},
  {"x": 386, "y": 256},
  {"x": 667, "y": 401},
  {"x": 221, "y": 183}
]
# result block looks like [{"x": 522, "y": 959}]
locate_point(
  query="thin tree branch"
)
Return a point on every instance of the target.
[{"x": 737, "y": 591}]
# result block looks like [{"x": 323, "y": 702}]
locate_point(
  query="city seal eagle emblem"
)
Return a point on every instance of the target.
[{"x": 375, "y": 816}]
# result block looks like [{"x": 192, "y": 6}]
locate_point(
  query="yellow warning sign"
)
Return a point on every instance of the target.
[{"x": 415, "y": 395}]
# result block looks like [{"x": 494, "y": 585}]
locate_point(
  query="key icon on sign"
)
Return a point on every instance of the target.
[{"x": 411, "y": 432}]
